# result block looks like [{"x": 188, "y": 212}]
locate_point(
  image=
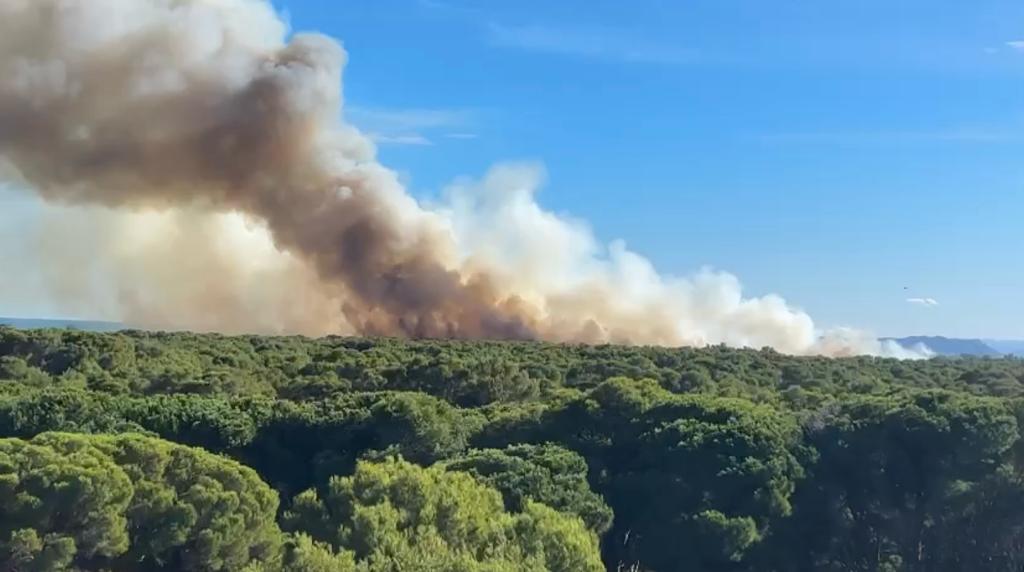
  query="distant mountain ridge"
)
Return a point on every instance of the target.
[
  {"x": 944, "y": 346},
  {"x": 1007, "y": 347}
]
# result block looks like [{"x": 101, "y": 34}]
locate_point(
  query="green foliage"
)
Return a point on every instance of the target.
[
  {"x": 901, "y": 481},
  {"x": 303, "y": 554},
  {"x": 396, "y": 516},
  {"x": 547, "y": 474},
  {"x": 693, "y": 480},
  {"x": 293, "y": 445},
  {"x": 467, "y": 374},
  {"x": 129, "y": 502},
  {"x": 679, "y": 459},
  {"x": 25, "y": 550}
]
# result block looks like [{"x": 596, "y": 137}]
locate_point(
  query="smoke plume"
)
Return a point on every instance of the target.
[{"x": 194, "y": 155}]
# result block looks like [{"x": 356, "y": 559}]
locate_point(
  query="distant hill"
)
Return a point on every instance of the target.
[
  {"x": 38, "y": 323},
  {"x": 949, "y": 346},
  {"x": 1007, "y": 347}
]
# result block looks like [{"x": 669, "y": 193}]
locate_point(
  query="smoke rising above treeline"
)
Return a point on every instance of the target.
[{"x": 194, "y": 153}]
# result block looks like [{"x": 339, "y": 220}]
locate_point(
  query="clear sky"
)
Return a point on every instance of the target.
[
  {"x": 833, "y": 152},
  {"x": 847, "y": 155}
]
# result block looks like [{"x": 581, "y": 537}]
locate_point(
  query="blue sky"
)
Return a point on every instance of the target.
[{"x": 832, "y": 152}]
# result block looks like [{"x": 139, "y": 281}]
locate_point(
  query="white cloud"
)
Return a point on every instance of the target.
[
  {"x": 402, "y": 139},
  {"x": 461, "y": 135},
  {"x": 599, "y": 44},
  {"x": 410, "y": 126},
  {"x": 378, "y": 119},
  {"x": 1016, "y": 44},
  {"x": 923, "y": 301}
]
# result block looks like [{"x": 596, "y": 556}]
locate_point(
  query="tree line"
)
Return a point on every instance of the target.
[{"x": 145, "y": 451}]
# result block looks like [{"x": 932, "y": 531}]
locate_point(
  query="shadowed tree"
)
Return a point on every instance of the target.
[{"x": 547, "y": 474}]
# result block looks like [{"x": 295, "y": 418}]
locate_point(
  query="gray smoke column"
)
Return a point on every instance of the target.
[
  {"x": 157, "y": 103},
  {"x": 191, "y": 111}
]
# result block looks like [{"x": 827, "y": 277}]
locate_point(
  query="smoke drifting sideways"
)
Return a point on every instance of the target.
[{"x": 198, "y": 174}]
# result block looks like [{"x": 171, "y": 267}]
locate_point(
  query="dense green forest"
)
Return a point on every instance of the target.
[{"x": 149, "y": 451}]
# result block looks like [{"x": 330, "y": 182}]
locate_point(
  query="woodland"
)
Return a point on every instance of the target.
[{"x": 144, "y": 451}]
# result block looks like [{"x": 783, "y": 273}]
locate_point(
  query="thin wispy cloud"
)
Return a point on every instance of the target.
[
  {"x": 373, "y": 118},
  {"x": 410, "y": 126},
  {"x": 1016, "y": 45},
  {"x": 598, "y": 44},
  {"x": 928, "y": 302},
  {"x": 406, "y": 139},
  {"x": 461, "y": 135}
]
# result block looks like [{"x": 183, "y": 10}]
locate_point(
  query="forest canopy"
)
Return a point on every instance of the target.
[{"x": 157, "y": 451}]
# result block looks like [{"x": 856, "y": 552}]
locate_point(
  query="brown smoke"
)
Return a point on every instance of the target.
[
  {"x": 205, "y": 109},
  {"x": 123, "y": 121}
]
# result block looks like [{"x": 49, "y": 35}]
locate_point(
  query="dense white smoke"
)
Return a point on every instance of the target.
[{"x": 200, "y": 175}]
